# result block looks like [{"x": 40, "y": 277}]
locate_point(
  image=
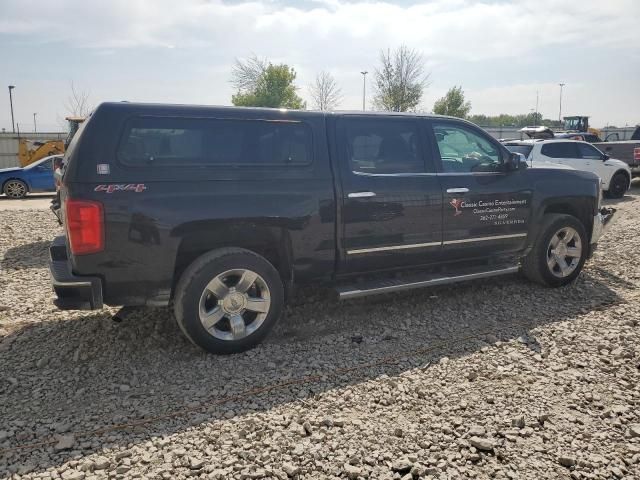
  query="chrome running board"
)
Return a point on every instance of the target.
[{"x": 417, "y": 281}]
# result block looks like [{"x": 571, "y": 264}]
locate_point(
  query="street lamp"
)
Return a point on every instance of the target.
[
  {"x": 13, "y": 125},
  {"x": 560, "y": 111},
  {"x": 34, "y": 122},
  {"x": 364, "y": 88}
]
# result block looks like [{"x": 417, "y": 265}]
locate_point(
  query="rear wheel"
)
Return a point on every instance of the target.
[
  {"x": 15, "y": 189},
  {"x": 228, "y": 300},
  {"x": 618, "y": 185},
  {"x": 559, "y": 252}
]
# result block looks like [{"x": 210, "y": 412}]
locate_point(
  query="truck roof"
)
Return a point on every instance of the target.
[{"x": 169, "y": 107}]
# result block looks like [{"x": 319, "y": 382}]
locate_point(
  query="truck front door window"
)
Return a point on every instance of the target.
[
  {"x": 464, "y": 151},
  {"x": 589, "y": 152}
]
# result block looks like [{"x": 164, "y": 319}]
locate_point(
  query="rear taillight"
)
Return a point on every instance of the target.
[
  {"x": 636, "y": 154},
  {"x": 84, "y": 220}
]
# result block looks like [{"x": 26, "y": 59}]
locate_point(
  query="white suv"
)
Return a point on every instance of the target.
[{"x": 615, "y": 175}]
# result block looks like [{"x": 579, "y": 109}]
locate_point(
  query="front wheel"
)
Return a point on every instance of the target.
[
  {"x": 15, "y": 189},
  {"x": 228, "y": 300},
  {"x": 618, "y": 186},
  {"x": 559, "y": 252}
]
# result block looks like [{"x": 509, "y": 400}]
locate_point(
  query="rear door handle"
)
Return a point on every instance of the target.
[
  {"x": 457, "y": 190},
  {"x": 361, "y": 194}
]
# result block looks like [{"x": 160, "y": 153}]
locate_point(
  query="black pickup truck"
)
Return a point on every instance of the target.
[{"x": 220, "y": 211}]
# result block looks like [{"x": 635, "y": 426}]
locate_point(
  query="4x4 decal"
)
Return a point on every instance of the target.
[{"x": 121, "y": 187}]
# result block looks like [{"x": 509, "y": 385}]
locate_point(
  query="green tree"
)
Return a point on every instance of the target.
[
  {"x": 521, "y": 120},
  {"x": 400, "y": 81},
  {"x": 273, "y": 88},
  {"x": 452, "y": 104}
]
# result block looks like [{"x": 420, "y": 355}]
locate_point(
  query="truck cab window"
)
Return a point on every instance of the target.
[
  {"x": 383, "y": 145},
  {"x": 175, "y": 141},
  {"x": 464, "y": 151}
]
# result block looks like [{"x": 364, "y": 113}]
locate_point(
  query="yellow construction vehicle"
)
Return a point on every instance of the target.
[
  {"x": 579, "y": 124},
  {"x": 31, "y": 151},
  {"x": 38, "y": 150}
]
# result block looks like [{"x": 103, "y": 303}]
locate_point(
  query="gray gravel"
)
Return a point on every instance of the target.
[{"x": 497, "y": 379}]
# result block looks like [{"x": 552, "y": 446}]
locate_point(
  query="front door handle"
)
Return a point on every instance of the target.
[
  {"x": 361, "y": 194},
  {"x": 457, "y": 190}
]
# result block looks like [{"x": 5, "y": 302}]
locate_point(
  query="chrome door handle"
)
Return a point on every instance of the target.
[
  {"x": 361, "y": 195},
  {"x": 457, "y": 190}
]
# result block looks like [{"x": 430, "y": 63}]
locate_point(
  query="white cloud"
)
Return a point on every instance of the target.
[
  {"x": 465, "y": 29},
  {"x": 465, "y": 42}
]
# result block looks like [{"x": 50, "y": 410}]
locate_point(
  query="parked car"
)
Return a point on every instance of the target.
[
  {"x": 222, "y": 211},
  {"x": 37, "y": 177},
  {"x": 614, "y": 174},
  {"x": 627, "y": 151}
]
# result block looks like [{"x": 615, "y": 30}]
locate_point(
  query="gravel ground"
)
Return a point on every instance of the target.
[{"x": 495, "y": 379}]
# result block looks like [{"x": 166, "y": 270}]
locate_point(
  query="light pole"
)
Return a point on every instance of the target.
[
  {"x": 537, "y": 98},
  {"x": 364, "y": 89},
  {"x": 13, "y": 125},
  {"x": 35, "y": 130},
  {"x": 560, "y": 111}
]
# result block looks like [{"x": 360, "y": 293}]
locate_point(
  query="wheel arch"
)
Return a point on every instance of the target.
[
  {"x": 581, "y": 210},
  {"x": 623, "y": 172},
  {"x": 23, "y": 180},
  {"x": 271, "y": 242}
]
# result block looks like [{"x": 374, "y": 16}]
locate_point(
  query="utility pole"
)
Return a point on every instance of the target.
[
  {"x": 364, "y": 89},
  {"x": 560, "y": 111},
  {"x": 35, "y": 130},
  {"x": 13, "y": 125}
]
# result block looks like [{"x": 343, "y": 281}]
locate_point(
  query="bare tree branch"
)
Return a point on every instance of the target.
[
  {"x": 400, "y": 81},
  {"x": 246, "y": 73},
  {"x": 325, "y": 92},
  {"x": 77, "y": 103}
]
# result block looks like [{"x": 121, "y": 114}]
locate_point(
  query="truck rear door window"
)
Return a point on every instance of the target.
[
  {"x": 383, "y": 145},
  {"x": 162, "y": 141}
]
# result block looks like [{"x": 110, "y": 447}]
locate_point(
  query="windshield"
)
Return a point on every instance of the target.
[
  {"x": 46, "y": 162},
  {"x": 575, "y": 123},
  {"x": 523, "y": 149}
]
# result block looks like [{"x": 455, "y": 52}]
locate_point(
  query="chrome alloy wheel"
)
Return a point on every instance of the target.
[
  {"x": 15, "y": 189},
  {"x": 234, "y": 304},
  {"x": 564, "y": 252}
]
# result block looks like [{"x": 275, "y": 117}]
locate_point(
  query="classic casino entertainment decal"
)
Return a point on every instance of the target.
[{"x": 495, "y": 211}]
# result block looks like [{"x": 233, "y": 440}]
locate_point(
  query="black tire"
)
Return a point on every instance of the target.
[
  {"x": 192, "y": 288},
  {"x": 536, "y": 264},
  {"x": 618, "y": 186},
  {"x": 15, "y": 188}
]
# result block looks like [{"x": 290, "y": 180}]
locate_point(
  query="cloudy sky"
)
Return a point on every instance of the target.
[{"x": 500, "y": 52}]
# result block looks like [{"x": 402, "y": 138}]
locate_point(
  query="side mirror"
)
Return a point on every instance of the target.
[
  {"x": 516, "y": 161},
  {"x": 605, "y": 157}
]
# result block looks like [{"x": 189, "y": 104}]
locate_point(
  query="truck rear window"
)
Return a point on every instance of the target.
[{"x": 164, "y": 141}]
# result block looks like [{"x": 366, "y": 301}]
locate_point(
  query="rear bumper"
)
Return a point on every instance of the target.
[
  {"x": 73, "y": 292},
  {"x": 601, "y": 223}
]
